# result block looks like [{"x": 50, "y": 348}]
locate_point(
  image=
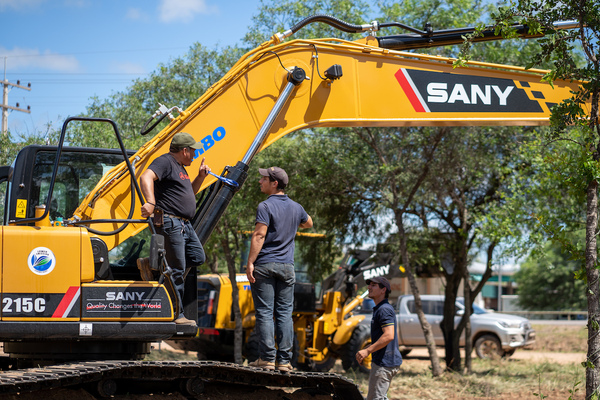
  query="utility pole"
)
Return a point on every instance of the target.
[{"x": 6, "y": 85}]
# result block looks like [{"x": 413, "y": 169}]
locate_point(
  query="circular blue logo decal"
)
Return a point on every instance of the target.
[{"x": 41, "y": 261}]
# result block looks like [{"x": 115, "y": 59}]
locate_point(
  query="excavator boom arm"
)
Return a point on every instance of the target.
[{"x": 378, "y": 87}]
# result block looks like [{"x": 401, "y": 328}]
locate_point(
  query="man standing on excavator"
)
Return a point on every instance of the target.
[
  {"x": 171, "y": 198},
  {"x": 270, "y": 269}
]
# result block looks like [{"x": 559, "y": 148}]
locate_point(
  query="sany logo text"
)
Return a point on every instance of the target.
[
  {"x": 438, "y": 93},
  {"x": 378, "y": 271}
]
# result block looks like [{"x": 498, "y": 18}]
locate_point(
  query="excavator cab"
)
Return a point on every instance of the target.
[
  {"x": 79, "y": 170},
  {"x": 64, "y": 295}
]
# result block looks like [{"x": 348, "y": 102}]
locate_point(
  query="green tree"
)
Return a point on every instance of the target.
[
  {"x": 546, "y": 282},
  {"x": 467, "y": 177},
  {"x": 562, "y": 48}
]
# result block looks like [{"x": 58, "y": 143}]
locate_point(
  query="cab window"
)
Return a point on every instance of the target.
[{"x": 78, "y": 173}]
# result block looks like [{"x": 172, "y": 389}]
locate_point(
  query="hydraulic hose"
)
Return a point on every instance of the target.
[
  {"x": 329, "y": 20},
  {"x": 145, "y": 128}
]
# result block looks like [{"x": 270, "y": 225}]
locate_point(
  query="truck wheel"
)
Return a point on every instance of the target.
[
  {"x": 325, "y": 365},
  {"x": 361, "y": 338},
  {"x": 405, "y": 352},
  {"x": 251, "y": 348},
  {"x": 488, "y": 346}
]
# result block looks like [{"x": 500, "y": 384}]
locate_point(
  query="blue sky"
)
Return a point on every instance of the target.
[{"x": 71, "y": 50}]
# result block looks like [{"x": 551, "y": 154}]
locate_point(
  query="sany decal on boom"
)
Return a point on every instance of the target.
[
  {"x": 430, "y": 91},
  {"x": 377, "y": 271}
]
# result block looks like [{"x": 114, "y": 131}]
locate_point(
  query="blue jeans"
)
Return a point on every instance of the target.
[
  {"x": 273, "y": 295},
  {"x": 183, "y": 250}
]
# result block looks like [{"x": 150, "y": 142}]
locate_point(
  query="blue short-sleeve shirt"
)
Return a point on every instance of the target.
[
  {"x": 282, "y": 216},
  {"x": 385, "y": 315}
]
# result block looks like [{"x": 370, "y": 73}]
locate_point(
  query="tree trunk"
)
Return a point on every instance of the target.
[
  {"x": 593, "y": 293},
  {"x": 451, "y": 342},
  {"x": 436, "y": 368},
  {"x": 467, "y": 315},
  {"x": 451, "y": 332}
]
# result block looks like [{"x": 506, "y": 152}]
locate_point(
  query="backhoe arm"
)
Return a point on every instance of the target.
[{"x": 366, "y": 85}]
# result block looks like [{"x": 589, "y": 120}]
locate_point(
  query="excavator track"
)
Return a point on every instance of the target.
[{"x": 106, "y": 378}]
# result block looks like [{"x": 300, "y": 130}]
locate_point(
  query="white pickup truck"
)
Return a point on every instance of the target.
[{"x": 493, "y": 334}]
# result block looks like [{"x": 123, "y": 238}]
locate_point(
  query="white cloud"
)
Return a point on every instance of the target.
[
  {"x": 136, "y": 14},
  {"x": 33, "y": 58},
  {"x": 128, "y": 68},
  {"x": 19, "y": 5},
  {"x": 183, "y": 10}
]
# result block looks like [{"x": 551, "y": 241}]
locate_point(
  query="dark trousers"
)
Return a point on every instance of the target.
[{"x": 183, "y": 250}]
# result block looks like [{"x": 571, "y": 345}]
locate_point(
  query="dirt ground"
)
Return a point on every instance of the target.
[
  {"x": 422, "y": 356},
  {"x": 563, "y": 346}
]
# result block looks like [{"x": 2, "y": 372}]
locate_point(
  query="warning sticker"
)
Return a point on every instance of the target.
[{"x": 21, "y": 208}]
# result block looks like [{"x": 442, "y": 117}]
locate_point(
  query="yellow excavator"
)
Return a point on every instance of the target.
[{"x": 67, "y": 299}]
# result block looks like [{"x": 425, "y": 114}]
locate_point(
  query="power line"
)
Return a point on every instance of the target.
[{"x": 91, "y": 52}]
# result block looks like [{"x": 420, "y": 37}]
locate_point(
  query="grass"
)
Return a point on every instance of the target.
[
  {"x": 561, "y": 338},
  {"x": 491, "y": 379},
  {"x": 499, "y": 379}
]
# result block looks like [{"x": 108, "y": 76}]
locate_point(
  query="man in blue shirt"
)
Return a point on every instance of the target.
[
  {"x": 270, "y": 269},
  {"x": 386, "y": 358}
]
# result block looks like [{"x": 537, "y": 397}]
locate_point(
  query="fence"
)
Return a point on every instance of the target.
[{"x": 568, "y": 315}]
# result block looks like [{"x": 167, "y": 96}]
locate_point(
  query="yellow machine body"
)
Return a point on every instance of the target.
[{"x": 48, "y": 275}]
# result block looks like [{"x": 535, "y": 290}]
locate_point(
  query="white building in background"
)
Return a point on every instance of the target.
[{"x": 497, "y": 294}]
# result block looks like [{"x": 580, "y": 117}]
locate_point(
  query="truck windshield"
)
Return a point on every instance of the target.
[{"x": 476, "y": 308}]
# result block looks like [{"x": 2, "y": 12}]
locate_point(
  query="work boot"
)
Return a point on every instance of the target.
[
  {"x": 259, "y": 363},
  {"x": 143, "y": 265},
  {"x": 185, "y": 321},
  {"x": 285, "y": 367}
]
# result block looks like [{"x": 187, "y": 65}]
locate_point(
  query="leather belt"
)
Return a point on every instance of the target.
[{"x": 175, "y": 216}]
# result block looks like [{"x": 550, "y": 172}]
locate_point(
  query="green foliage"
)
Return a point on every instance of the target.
[
  {"x": 274, "y": 17},
  {"x": 546, "y": 281},
  {"x": 564, "y": 50},
  {"x": 10, "y": 146},
  {"x": 441, "y": 14},
  {"x": 8, "y": 149}
]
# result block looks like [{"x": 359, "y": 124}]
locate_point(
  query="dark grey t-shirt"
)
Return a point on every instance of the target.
[
  {"x": 282, "y": 216},
  {"x": 173, "y": 189}
]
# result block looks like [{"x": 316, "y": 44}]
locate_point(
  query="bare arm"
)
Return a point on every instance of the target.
[
  {"x": 147, "y": 186},
  {"x": 307, "y": 224},
  {"x": 202, "y": 173},
  {"x": 384, "y": 340},
  {"x": 256, "y": 243}
]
